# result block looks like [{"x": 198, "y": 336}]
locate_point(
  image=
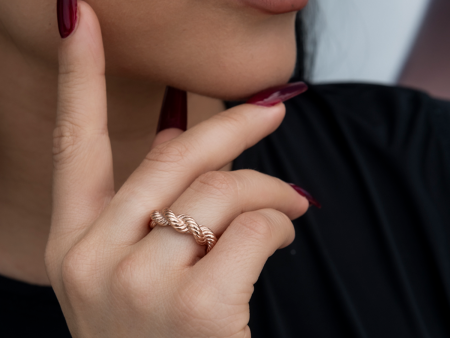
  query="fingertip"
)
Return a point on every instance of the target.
[
  {"x": 291, "y": 238},
  {"x": 83, "y": 46},
  {"x": 275, "y": 113},
  {"x": 290, "y": 234},
  {"x": 277, "y": 110}
]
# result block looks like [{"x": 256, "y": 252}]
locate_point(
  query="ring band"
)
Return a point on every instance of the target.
[{"x": 184, "y": 224}]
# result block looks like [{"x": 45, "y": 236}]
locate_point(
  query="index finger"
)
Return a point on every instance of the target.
[{"x": 83, "y": 176}]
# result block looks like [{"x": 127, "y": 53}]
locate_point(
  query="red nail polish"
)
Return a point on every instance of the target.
[
  {"x": 174, "y": 110},
  {"x": 272, "y": 96},
  {"x": 306, "y": 194},
  {"x": 67, "y": 16}
]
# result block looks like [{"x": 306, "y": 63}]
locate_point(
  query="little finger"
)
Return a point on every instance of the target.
[{"x": 238, "y": 258}]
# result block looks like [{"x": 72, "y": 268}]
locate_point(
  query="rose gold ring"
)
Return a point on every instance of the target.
[{"x": 184, "y": 224}]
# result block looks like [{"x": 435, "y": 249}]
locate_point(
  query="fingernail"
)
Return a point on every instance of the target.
[
  {"x": 272, "y": 96},
  {"x": 306, "y": 194},
  {"x": 174, "y": 110},
  {"x": 67, "y": 17}
]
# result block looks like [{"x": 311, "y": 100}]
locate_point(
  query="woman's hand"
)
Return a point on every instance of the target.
[{"x": 112, "y": 275}]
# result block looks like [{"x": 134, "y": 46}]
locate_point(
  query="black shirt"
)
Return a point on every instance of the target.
[{"x": 374, "y": 262}]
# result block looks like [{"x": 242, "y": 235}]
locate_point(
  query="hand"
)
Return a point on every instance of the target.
[{"x": 112, "y": 275}]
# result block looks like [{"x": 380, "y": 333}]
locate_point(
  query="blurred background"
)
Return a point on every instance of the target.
[{"x": 390, "y": 42}]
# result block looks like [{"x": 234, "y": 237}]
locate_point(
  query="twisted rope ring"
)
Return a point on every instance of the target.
[{"x": 184, "y": 224}]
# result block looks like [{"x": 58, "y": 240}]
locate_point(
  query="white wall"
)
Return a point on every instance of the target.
[{"x": 363, "y": 40}]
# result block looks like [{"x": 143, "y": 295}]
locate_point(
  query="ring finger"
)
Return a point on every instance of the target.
[{"x": 214, "y": 200}]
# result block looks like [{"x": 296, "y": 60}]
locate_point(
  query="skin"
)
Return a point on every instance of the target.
[{"x": 95, "y": 197}]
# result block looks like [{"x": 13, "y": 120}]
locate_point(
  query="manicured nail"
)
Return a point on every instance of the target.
[
  {"x": 306, "y": 194},
  {"x": 67, "y": 16},
  {"x": 174, "y": 110},
  {"x": 272, "y": 96}
]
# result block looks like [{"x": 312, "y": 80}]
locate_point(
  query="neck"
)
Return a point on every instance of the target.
[{"x": 28, "y": 91}]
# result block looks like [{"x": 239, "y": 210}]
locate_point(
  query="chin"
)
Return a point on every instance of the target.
[
  {"x": 233, "y": 76},
  {"x": 237, "y": 81},
  {"x": 239, "y": 77},
  {"x": 229, "y": 58}
]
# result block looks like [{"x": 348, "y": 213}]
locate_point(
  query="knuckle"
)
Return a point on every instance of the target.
[
  {"x": 69, "y": 137},
  {"x": 132, "y": 285},
  {"x": 172, "y": 152},
  {"x": 51, "y": 262},
  {"x": 124, "y": 276},
  {"x": 216, "y": 183},
  {"x": 65, "y": 140},
  {"x": 79, "y": 271}
]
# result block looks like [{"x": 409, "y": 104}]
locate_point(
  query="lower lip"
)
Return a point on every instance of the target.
[{"x": 276, "y": 6}]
